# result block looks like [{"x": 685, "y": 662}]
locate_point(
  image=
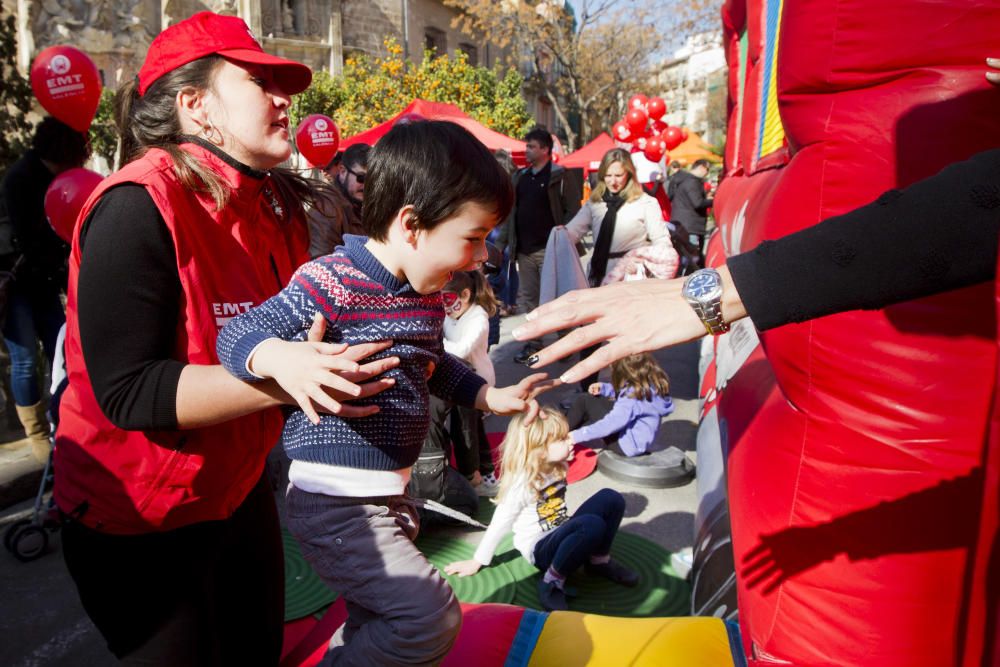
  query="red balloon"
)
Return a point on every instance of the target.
[
  {"x": 636, "y": 121},
  {"x": 641, "y": 143},
  {"x": 708, "y": 186},
  {"x": 66, "y": 83},
  {"x": 658, "y": 126},
  {"x": 656, "y": 107},
  {"x": 637, "y": 102},
  {"x": 65, "y": 198},
  {"x": 621, "y": 132},
  {"x": 672, "y": 137},
  {"x": 318, "y": 138},
  {"x": 655, "y": 149}
]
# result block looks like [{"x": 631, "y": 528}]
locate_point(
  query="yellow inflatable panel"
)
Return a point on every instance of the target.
[{"x": 571, "y": 638}]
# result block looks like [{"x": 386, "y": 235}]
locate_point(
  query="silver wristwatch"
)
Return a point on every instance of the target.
[{"x": 703, "y": 290}]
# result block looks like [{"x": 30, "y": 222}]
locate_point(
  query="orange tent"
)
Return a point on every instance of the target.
[
  {"x": 442, "y": 111},
  {"x": 694, "y": 148}
]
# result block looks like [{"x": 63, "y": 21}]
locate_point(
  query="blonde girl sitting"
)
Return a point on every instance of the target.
[{"x": 532, "y": 502}]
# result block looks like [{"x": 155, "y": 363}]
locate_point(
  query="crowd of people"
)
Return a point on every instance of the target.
[{"x": 218, "y": 304}]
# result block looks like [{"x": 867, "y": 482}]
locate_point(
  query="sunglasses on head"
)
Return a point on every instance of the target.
[{"x": 359, "y": 176}]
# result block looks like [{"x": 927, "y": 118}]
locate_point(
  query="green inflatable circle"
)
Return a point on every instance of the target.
[{"x": 305, "y": 592}]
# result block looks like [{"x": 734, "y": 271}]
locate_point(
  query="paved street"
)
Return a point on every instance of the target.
[{"x": 42, "y": 622}]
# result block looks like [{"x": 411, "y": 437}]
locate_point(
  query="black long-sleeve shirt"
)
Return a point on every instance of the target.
[
  {"x": 936, "y": 235},
  {"x": 129, "y": 293}
]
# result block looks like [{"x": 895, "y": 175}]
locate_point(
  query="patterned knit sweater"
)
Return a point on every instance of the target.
[{"x": 362, "y": 302}]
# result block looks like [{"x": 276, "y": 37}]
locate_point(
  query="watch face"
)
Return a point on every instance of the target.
[{"x": 702, "y": 285}]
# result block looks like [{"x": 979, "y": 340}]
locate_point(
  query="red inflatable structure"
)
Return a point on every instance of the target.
[{"x": 857, "y": 446}]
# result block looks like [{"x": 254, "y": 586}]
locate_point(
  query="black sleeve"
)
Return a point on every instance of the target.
[
  {"x": 129, "y": 293},
  {"x": 937, "y": 235},
  {"x": 24, "y": 198}
]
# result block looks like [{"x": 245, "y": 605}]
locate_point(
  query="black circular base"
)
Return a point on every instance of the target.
[{"x": 657, "y": 470}]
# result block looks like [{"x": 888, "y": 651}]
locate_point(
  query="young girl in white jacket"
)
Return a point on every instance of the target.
[
  {"x": 469, "y": 304},
  {"x": 532, "y": 504}
]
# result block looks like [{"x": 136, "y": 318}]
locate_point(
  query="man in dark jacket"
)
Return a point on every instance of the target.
[
  {"x": 542, "y": 202},
  {"x": 689, "y": 205},
  {"x": 342, "y": 214}
]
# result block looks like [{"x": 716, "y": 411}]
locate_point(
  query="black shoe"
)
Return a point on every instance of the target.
[
  {"x": 526, "y": 353},
  {"x": 551, "y": 596},
  {"x": 613, "y": 571}
]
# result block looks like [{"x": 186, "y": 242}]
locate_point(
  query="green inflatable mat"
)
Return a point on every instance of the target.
[{"x": 513, "y": 580}]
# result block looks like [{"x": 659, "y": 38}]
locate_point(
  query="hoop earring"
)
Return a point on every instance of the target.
[{"x": 212, "y": 134}]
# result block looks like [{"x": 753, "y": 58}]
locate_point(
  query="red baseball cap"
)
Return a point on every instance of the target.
[{"x": 207, "y": 33}]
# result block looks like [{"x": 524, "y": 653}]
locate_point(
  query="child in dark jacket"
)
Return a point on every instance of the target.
[{"x": 641, "y": 393}]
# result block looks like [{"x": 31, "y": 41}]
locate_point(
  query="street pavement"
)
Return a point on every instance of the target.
[{"x": 43, "y": 623}]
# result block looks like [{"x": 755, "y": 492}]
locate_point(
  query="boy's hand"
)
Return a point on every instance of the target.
[
  {"x": 594, "y": 389},
  {"x": 519, "y": 397},
  {"x": 463, "y": 568}
]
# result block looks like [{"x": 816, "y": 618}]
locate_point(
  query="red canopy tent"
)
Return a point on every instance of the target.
[
  {"x": 589, "y": 157},
  {"x": 443, "y": 111}
]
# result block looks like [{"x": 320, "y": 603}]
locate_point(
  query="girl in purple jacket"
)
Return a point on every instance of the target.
[{"x": 640, "y": 393}]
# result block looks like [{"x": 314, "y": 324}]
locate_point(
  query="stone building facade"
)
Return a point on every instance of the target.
[
  {"x": 692, "y": 83},
  {"x": 319, "y": 33}
]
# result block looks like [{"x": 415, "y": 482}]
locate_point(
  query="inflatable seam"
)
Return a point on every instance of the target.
[
  {"x": 528, "y": 631},
  {"x": 735, "y": 643}
]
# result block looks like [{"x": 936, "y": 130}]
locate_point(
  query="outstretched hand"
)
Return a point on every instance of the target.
[
  {"x": 631, "y": 317},
  {"x": 463, "y": 568},
  {"x": 518, "y": 397}
]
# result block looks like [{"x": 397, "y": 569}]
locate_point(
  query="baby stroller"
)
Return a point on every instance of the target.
[{"x": 28, "y": 539}]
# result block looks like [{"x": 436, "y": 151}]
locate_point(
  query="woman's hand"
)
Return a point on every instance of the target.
[
  {"x": 594, "y": 389},
  {"x": 463, "y": 568},
  {"x": 631, "y": 317},
  {"x": 316, "y": 374}
]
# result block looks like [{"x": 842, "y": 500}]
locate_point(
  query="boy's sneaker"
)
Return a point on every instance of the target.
[
  {"x": 613, "y": 571},
  {"x": 489, "y": 486},
  {"x": 551, "y": 596}
]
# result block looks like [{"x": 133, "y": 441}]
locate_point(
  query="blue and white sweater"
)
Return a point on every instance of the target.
[{"x": 362, "y": 302}]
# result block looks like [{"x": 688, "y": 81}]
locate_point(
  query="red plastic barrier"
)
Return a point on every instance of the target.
[{"x": 856, "y": 494}]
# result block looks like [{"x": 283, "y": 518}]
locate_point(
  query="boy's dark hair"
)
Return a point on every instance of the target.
[
  {"x": 700, "y": 163},
  {"x": 59, "y": 143},
  {"x": 436, "y": 167},
  {"x": 540, "y": 135},
  {"x": 356, "y": 155}
]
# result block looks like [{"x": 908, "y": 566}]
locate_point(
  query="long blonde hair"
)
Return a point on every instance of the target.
[
  {"x": 524, "y": 450},
  {"x": 632, "y": 190}
]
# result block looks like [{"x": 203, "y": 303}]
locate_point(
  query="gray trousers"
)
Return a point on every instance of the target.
[
  {"x": 529, "y": 274},
  {"x": 400, "y": 610}
]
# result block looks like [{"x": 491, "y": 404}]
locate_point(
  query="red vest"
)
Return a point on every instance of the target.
[{"x": 130, "y": 482}]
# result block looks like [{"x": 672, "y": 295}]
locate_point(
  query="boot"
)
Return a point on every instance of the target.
[{"x": 36, "y": 428}]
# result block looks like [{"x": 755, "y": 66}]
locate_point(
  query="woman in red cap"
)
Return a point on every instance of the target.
[{"x": 171, "y": 532}]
